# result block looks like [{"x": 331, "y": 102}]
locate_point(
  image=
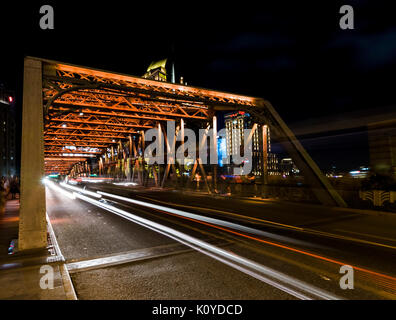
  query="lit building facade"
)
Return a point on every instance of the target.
[
  {"x": 156, "y": 71},
  {"x": 235, "y": 124},
  {"x": 273, "y": 165},
  {"x": 7, "y": 137}
]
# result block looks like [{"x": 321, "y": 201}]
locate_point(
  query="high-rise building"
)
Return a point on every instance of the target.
[
  {"x": 7, "y": 135},
  {"x": 235, "y": 124},
  {"x": 156, "y": 71},
  {"x": 273, "y": 165}
]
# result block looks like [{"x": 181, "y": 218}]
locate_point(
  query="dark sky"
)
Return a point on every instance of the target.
[{"x": 292, "y": 53}]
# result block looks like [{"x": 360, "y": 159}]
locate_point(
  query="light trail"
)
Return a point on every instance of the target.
[
  {"x": 52, "y": 185},
  {"x": 93, "y": 194},
  {"x": 229, "y": 213},
  {"x": 390, "y": 281},
  {"x": 190, "y": 217},
  {"x": 125, "y": 184},
  {"x": 214, "y": 221},
  {"x": 288, "y": 284},
  {"x": 281, "y": 225},
  {"x": 295, "y": 250},
  {"x": 95, "y": 180}
]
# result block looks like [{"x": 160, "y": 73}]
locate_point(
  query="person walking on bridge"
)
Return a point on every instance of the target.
[{"x": 14, "y": 187}]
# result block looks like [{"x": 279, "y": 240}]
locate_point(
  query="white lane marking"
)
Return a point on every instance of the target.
[
  {"x": 325, "y": 278},
  {"x": 342, "y": 237},
  {"x": 232, "y": 259},
  {"x": 330, "y": 219},
  {"x": 367, "y": 235},
  {"x": 135, "y": 255}
]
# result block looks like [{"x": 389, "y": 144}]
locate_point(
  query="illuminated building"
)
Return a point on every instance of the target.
[
  {"x": 235, "y": 124},
  {"x": 156, "y": 71},
  {"x": 7, "y": 135},
  {"x": 287, "y": 167},
  {"x": 273, "y": 165}
]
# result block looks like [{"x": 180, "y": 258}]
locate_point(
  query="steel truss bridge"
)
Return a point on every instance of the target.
[
  {"x": 73, "y": 113},
  {"x": 93, "y": 111}
]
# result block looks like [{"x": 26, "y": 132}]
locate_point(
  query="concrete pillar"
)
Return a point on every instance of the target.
[{"x": 32, "y": 216}]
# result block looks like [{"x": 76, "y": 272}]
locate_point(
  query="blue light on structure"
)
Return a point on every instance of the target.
[{"x": 221, "y": 151}]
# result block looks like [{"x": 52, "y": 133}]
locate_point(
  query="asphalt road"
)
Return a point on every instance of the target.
[{"x": 86, "y": 232}]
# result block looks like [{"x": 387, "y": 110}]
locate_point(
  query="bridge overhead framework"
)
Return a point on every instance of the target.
[{"x": 73, "y": 113}]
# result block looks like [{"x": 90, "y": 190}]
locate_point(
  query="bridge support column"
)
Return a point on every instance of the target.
[
  {"x": 170, "y": 155},
  {"x": 181, "y": 165},
  {"x": 143, "y": 172},
  {"x": 32, "y": 215},
  {"x": 130, "y": 162},
  {"x": 264, "y": 161}
]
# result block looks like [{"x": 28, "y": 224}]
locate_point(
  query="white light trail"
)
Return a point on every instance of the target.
[
  {"x": 53, "y": 186},
  {"x": 215, "y": 221},
  {"x": 240, "y": 263},
  {"x": 126, "y": 184},
  {"x": 93, "y": 194}
]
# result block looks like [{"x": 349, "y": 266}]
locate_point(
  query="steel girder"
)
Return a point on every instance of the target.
[
  {"x": 264, "y": 112},
  {"x": 91, "y": 108}
]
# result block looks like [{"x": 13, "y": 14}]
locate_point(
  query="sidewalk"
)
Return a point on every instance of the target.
[{"x": 20, "y": 272}]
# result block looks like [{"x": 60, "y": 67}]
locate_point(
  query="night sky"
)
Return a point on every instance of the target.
[{"x": 294, "y": 54}]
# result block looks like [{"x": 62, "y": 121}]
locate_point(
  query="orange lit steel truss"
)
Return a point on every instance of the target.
[
  {"x": 87, "y": 111},
  {"x": 90, "y": 113}
]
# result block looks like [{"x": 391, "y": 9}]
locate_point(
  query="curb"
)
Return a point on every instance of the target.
[{"x": 66, "y": 280}]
